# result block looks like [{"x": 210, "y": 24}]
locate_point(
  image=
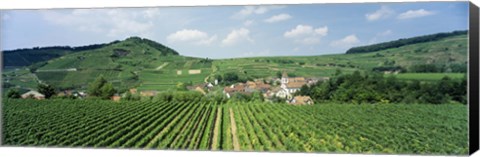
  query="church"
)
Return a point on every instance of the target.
[{"x": 290, "y": 85}]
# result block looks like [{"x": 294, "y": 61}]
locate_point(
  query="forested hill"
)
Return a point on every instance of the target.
[
  {"x": 403, "y": 42},
  {"x": 29, "y": 56}
]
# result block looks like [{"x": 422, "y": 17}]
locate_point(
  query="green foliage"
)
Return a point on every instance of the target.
[
  {"x": 47, "y": 90},
  {"x": 240, "y": 97},
  {"x": 131, "y": 97},
  {"x": 178, "y": 96},
  {"x": 107, "y": 91},
  {"x": 375, "y": 88},
  {"x": 197, "y": 125},
  {"x": 13, "y": 93},
  {"x": 403, "y": 42},
  {"x": 101, "y": 88},
  {"x": 230, "y": 78},
  {"x": 96, "y": 86}
]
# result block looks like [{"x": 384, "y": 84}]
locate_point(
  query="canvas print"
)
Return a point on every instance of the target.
[{"x": 363, "y": 78}]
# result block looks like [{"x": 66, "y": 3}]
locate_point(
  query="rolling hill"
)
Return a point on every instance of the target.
[{"x": 147, "y": 65}]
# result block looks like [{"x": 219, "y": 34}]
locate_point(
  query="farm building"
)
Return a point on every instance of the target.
[
  {"x": 199, "y": 89},
  {"x": 148, "y": 93},
  {"x": 73, "y": 93},
  {"x": 301, "y": 100},
  {"x": 133, "y": 91},
  {"x": 115, "y": 98},
  {"x": 33, "y": 94}
]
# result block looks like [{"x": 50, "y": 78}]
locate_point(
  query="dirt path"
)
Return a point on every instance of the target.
[
  {"x": 236, "y": 145},
  {"x": 161, "y": 66},
  {"x": 216, "y": 130}
]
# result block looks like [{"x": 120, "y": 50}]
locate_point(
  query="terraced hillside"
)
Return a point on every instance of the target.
[{"x": 147, "y": 65}]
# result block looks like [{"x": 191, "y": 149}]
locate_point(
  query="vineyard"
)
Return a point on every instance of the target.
[{"x": 340, "y": 128}]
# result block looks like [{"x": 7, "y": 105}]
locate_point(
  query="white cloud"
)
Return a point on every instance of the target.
[
  {"x": 346, "y": 41},
  {"x": 191, "y": 36},
  {"x": 300, "y": 30},
  {"x": 322, "y": 31},
  {"x": 305, "y": 30},
  {"x": 415, "y": 14},
  {"x": 248, "y": 23},
  {"x": 385, "y": 33},
  {"x": 113, "y": 22},
  {"x": 382, "y": 13},
  {"x": 278, "y": 18},
  {"x": 306, "y": 34},
  {"x": 151, "y": 12},
  {"x": 249, "y": 10},
  {"x": 237, "y": 36}
]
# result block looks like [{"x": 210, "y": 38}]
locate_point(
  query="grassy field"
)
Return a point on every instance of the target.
[{"x": 340, "y": 128}]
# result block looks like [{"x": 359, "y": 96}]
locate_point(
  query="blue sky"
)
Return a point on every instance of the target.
[{"x": 236, "y": 31}]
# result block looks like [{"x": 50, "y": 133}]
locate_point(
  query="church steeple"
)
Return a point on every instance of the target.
[{"x": 284, "y": 78}]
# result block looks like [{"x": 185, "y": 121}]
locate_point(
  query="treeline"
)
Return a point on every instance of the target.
[
  {"x": 185, "y": 96},
  {"x": 375, "y": 88},
  {"x": 403, "y": 42},
  {"x": 29, "y": 56},
  {"x": 435, "y": 68}
]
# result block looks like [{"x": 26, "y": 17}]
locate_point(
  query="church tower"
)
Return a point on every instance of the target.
[{"x": 284, "y": 78}]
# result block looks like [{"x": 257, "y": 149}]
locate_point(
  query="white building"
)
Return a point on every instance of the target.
[{"x": 290, "y": 85}]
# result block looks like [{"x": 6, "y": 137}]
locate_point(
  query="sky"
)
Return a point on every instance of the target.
[{"x": 235, "y": 31}]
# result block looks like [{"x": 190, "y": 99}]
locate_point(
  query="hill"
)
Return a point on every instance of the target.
[
  {"x": 445, "y": 55},
  {"x": 27, "y": 57},
  {"x": 403, "y": 42},
  {"x": 119, "y": 61},
  {"x": 147, "y": 65}
]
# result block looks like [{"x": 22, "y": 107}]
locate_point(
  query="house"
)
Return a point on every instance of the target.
[
  {"x": 116, "y": 97},
  {"x": 200, "y": 89},
  {"x": 133, "y": 91},
  {"x": 209, "y": 85},
  {"x": 247, "y": 88},
  {"x": 148, "y": 93},
  {"x": 301, "y": 100},
  {"x": 228, "y": 91},
  {"x": 283, "y": 93},
  {"x": 290, "y": 85},
  {"x": 33, "y": 94}
]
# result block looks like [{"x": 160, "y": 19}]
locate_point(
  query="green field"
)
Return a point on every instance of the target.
[
  {"x": 393, "y": 128},
  {"x": 428, "y": 76}
]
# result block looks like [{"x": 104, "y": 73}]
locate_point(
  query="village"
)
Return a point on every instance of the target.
[{"x": 283, "y": 88}]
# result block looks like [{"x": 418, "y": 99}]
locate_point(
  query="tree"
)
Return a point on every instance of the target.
[
  {"x": 257, "y": 96},
  {"x": 279, "y": 74},
  {"x": 230, "y": 77},
  {"x": 47, "y": 90},
  {"x": 94, "y": 88},
  {"x": 107, "y": 91},
  {"x": 13, "y": 93},
  {"x": 101, "y": 88}
]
